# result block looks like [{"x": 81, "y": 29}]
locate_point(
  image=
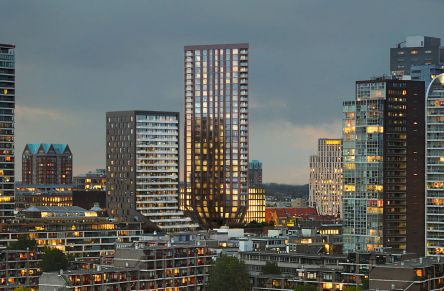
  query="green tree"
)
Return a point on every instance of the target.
[
  {"x": 271, "y": 268},
  {"x": 228, "y": 273},
  {"x": 21, "y": 288},
  {"x": 23, "y": 243},
  {"x": 53, "y": 260},
  {"x": 306, "y": 287}
]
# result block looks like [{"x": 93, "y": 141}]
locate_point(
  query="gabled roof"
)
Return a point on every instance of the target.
[{"x": 34, "y": 148}]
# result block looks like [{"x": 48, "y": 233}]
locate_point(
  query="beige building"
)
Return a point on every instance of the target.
[{"x": 325, "y": 188}]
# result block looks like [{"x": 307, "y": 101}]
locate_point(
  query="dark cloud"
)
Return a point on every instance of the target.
[{"x": 78, "y": 59}]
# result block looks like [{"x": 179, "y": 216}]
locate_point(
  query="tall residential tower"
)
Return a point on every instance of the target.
[
  {"x": 325, "y": 187},
  {"x": 216, "y": 133},
  {"x": 434, "y": 243},
  {"x": 7, "y": 105},
  {"x": 383, "y": 152},
  {"x": 142, "y": 160}
]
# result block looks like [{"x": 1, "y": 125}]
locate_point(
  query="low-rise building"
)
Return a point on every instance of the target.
[
  {"x": 288, "y": 216},
  {"x": 101, "y": 278},
  {"x": 357, "y": 267},
  {"x": 91, "y": 181},
  {"x": 411, "y": 275},
  {"x": 42, "y": 195},
  {"x": 315, "y": 237},
  {"x": 74, "y": 230},
  {"x": 165, "y": 265},
  {"x": 144, "y": 265},
  {"x": 19, "y": 268},
  {"x": 323, "y": 271},
  {"x": 256, "y": 205}
]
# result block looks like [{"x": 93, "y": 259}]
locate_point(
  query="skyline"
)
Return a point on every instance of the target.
[{"x": 65, "y": 84}]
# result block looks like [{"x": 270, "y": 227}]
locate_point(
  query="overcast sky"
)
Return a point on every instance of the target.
[{"x": 75, "y": 60}]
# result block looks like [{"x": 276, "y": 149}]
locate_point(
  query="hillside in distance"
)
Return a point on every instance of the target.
[{"x": 286, "y": 190}]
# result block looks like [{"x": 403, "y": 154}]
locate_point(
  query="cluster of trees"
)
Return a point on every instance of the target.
[
  {"x": 228, "y": 273},
  {"x": 52, "y": 259}
]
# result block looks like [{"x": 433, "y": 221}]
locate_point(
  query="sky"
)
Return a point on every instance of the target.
[{"x": 76, "y": 60}]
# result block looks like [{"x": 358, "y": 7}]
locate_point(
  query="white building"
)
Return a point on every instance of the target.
[
  {"x": 143, "y": 167},
  {"x": 434, "y": 238}
]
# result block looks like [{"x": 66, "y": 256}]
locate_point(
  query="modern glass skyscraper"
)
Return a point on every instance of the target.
[
  {"x": 216, "y": 132},
  {"x": 383, "y": 152},
  {"x": 325, "y": 187},
  {"x": 434, "y": 240},
  {"x": 7, "y": 105},
  {"x": 142, "y": 159}
]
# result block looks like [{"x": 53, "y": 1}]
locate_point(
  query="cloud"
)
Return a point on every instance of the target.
[
  {"x": 285, "y": 147},
  {"x": 30, "y": 114},
  {"x": 76, "y": 60}
]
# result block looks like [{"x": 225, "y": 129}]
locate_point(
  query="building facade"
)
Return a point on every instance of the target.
[
  {"x": 415, "y": 50},
  {"x": 47, "y": 164},
  {"x": 7, "y": 105},
  {"x": 42, "y": 195},
  {"x": 142, "y": 159},
  {"x": 75, "y": 231},
  {"x": 256, "y": 205},
  {"x": 91, "y": 181},
  {"x": 167, "y": 266},
  {"x": 434, "y": 244},
  {"x": 19, "y": 268},
  {"x": 426, "y": 73},
  {"x": 216, "y": 133},
  {"x": 383, "y": 198},
  {"x": 255, "y": 173},
  {"x": 325, "y": 185},
  {"x": 152, "y": 265}
]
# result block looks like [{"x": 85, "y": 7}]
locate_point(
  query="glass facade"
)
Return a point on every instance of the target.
[
  {"x": 325, "y": 186},
  {"x": 435, "y": 167},
  {"x": 216, "y": 132},
  {"x": 383, "y": 152},
  {"x": 7, "y": 105},
  {"x": 363, "y": 168}
]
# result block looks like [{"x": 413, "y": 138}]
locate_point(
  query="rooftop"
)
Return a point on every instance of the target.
[
  {"x": 34, "y": 148},
  {"x": 60, "y": 211}
]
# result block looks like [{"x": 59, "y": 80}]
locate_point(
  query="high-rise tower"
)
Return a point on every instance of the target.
[
  {"x": 216, "y": 132},
  {"x": 142, "y": 160},
  {"x": 7, "y": 105},
  {"x": 383, "y": 152},
  {"x": 434, "y": 243}
]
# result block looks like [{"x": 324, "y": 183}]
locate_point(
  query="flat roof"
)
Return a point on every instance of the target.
[
  {"x": 216, "y": 46},
  {"x": 7, "y": 45},
  {"x": 142, "y": 112}
]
